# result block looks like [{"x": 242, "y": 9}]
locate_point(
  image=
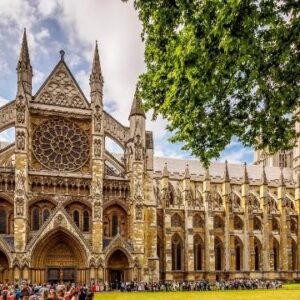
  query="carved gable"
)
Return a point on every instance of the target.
[{"x": 61, "y": 89}]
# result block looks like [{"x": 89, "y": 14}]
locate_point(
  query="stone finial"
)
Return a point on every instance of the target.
[
  {"x": 226, "y": 173},
  {"x": 165, "y": 172},
  {"x": 245, "y": 175},
  {"x": 187, "y": 172},
  {"x": 62, "y": 54},
  {"x": 264, "y": 179},
  {"x": 136, "y": 107},
  {"x": 281, "y": 178},
  {"x": 24, "y": 54}
]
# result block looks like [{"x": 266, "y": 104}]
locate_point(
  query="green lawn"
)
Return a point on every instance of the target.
[{"x": 288, "y": 292}]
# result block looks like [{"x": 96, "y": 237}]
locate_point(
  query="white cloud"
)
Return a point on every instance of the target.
[
  {"x": 237, "y": 156},
  {"x": 3, "y": 101}
]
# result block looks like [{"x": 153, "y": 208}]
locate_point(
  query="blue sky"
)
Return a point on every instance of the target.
[{"x": 74, "y": 25}]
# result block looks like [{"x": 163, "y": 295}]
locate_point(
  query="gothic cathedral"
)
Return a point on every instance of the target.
[{"x": 70, "y": 210}]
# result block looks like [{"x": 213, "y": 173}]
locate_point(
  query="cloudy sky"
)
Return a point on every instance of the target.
[{"x": 74, "y": 25}]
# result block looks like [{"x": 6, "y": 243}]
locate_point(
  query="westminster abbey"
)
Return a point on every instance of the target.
[{"x": 70, "y": 210}]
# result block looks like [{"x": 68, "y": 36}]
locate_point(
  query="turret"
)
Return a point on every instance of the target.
[
  {"x": 24, "y": 69},
  {"x": 245, "y": 186}
]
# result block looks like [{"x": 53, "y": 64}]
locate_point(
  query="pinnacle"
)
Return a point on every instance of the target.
[
  {"x": 96, "y": 69},
  {"x": 165, "y": 172},
  {"x": 245, "y": 176},
  {"x": 24, "y": 54},
  {"x": 136, "y": 107},
  {"x": 226, "y": 173},
  {"x": 187, "y": 172},
  {"x": 207, "y": 176},
  {"x": 264, "y": 179},
  {"x": 281, "y": 178}
]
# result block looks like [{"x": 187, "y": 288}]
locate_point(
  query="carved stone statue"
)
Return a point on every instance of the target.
[
  {"x": 97, "y": 210},
  {"x": 20, "y": 110},
  {"x": 138, "y": 147},
  {"x": 97, "y": 148},
  {"x": 97, "y": 120},
  {"x": 19, "y": 206},
  {"x": 20, "y": 140},
  {"x": 138, "y": 212}
]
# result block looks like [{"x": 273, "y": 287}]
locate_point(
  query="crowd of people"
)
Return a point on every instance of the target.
[
  {"x": 49, "y": 291},
  {"x": 202, "y": 285},
  {"x": 70, "y": 291}
]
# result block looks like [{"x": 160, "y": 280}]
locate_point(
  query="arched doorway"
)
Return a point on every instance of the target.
[
  {"x": 59, "y": 257},
  {"x": 118, "y": 268},
  {"x": 4, "y": 268}
]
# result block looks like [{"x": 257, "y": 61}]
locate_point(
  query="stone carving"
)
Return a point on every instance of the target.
[
  {"x": 138, "y": 212},
  {"x": 20, "y": 140},
  {"x": 138, "y": 148},
  {"x": 62, "y": 90},
  {"x": 97, "y": 210},
  {"x": 19, "y": 206},
  {"x": 96, "y": 189},
  {"x": 97, "y": 148},
  {"x": 20, "y": 184},
  {"x": 60, "y": 145},
  {"x": 97, "y": 119},
  {"x": 20, "y": 109}
]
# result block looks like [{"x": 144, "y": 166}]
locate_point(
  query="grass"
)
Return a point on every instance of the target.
[{"x": 288, "y": 292}]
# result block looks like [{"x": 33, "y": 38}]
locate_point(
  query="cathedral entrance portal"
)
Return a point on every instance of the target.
[
  {"x": 59, "y": 258},
  {"x": 118, "y": 268}
]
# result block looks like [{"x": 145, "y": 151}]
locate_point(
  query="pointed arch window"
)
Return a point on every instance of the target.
[
  {"x": 35, "y": 219},
  {"x": 86, "y": 221},
  {"x": 176, "y": 253},
  {"x": 218, "y": 254},
  {"x": 114, "y": 225},
  {"x": 46, "y": 214},
  {"x": 257, "y": 251},
  {"x": 3, "y": 221},
  {"x": 76, "y": 217},
  {"x": 198, "y": 253}
]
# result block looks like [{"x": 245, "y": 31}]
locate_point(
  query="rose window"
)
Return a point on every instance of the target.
[{"x": 60, "y": 145}]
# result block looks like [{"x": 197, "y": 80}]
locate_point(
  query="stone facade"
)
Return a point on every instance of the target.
[{"x": 71, "y": 210}]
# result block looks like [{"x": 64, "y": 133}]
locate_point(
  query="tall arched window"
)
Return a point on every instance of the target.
[
  {"x": 257, "y": 250},
  {"x": 238, "y": 254},
  {"x": 176, "y": 253},
  {"x": 3, "y": 221},
  {"x": 218, "y": 254},
  {"x": 76, "y": 217},
  {"x": 35, "y": 219},
  {"x": 86, "y": 221},
  {"x": 198, "y": 253},
  {"x": 46, "y": 214},
  {"x": 275, "y": 254},
  {"x": 114, "y": 225}
]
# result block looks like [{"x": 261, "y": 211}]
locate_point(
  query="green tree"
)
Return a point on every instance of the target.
[{"x": 222, "y": 68}]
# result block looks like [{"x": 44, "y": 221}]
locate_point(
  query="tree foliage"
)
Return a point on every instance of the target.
[{"x": 222, "y": 68}]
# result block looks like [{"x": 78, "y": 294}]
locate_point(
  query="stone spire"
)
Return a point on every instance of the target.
[
  {"x": 165, "y": 172},
  {"x": 24, "y": 67},
  {"x": 264, "y": 179},
  {"x": 24, "y": 54},
  {"x": 226, "y": 173},
  {"x": 136, "y": 107},
  {"x": 245, "y": 176},
  {"x": 281, "y": 178},
  {"x": 96, "y": 78}
]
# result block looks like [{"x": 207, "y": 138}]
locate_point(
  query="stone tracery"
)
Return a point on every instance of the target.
[{"x": 60, "y": 145}]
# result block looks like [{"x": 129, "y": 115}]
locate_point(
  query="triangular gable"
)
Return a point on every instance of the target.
[
  {"x": 59, "y": 220},
  {"x": 61, "y": 89}
]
